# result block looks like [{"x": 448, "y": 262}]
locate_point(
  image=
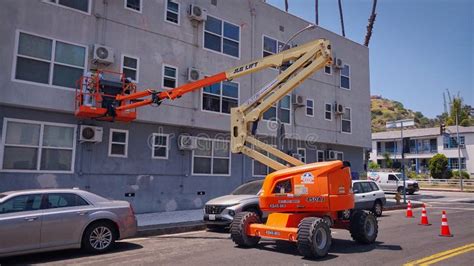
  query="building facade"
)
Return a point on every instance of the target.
[
  {"x": 48, "y": 44},
  {"x": 423, "y": 144}
]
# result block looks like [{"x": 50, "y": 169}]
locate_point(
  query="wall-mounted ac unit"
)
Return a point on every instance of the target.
[
  {"x": 193, "y": 74},
  {"x": 338, "y": 63},
  {"x": 298, "y": 100},
  {"x": 331, "y": 155},
  {"x": 186, "y": 142},
  {"x": 90, "y": 134},
  {"x": 102, "y": 55},
  {"x": 338, "y": 109},
  {"x": 197, "y": 13}
]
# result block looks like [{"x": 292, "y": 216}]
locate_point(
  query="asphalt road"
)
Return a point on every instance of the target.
[{"x": 400, "y": 240}]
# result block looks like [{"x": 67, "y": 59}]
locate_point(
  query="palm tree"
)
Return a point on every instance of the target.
[
  {"x": 286, "y": 5},
  {"x": 342, "y": 18}
]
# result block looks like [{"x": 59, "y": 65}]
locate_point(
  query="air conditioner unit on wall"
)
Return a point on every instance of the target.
[
  {"x": 193, "y": 74},
  {"x": 338, "y": 63},
  {"x": 331, "y": 155},
  {"x": 298, "y": 100},
  {"x": 186, "y": 142},
  {"x": 90, "y": 134},
  {"x": 102, "y": 55},
  {"x": 338, "y": 109},
  {"x": 197, "y": 13}
]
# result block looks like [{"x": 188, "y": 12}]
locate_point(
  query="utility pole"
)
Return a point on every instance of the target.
[
  {"x": 316, "y": 12},
  {"x": 342, "y": 18},
  {"x": 459, "y": 150}
]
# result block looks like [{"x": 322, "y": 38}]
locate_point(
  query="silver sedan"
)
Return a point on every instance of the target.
[{"x": 53, "y": 219}]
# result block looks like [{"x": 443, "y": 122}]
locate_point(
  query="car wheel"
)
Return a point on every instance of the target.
[
  {"x": 99, "y": 237},
  {"x": 378, "y": 208}
]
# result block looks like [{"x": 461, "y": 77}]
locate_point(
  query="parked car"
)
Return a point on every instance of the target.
[
  {"x": 368, "y": 196},
  {"x": 52, "y": 219},
  {"x": 219, "y": 212},
  {"x": 393, "y": 182}
]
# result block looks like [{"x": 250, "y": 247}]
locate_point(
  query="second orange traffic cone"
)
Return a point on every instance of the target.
[
  {"x": 424, "y": 217},
  {"x": 409, "y": 211},
  {"x": 444, "y": 226}
]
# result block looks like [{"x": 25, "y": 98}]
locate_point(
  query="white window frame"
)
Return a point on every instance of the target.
[
  {"x": 275, "y": 105},
  {"x": 330, "y": 70},
  {"x": 298, "y": 150},
  {"x": 129, "y": 68},
  {"x": 342, "y": 154},
  {"x": 153, "y": 145},
  {"x": 56, "y": 3},
  {"x": 350, "y": 120},
  {"x": 166, "y": 12},
  {"x": 220, "y": 98},
  {"x": 212, "y": 158},
  {"x": 163, "y": 76},
  {"x": 131, "y": 9},
  {"x": 51, "y": 61},
  {"x": 325, "y": 111},
  {"x": 349, "y": 77},
  {"x": 268, "y": 168},
  {"x": 319, "y": 152},
  {"x": 222, "y": 37},
  {"x": 309, "y": 107},
  {"x": 39, "y": 147},
  {"x": 112, "y": 130}
]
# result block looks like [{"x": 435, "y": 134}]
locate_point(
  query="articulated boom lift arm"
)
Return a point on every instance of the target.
[{"x": 307, "y": 59}]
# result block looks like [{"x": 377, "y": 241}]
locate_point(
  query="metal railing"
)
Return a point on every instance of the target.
[{"x": 446, "y": 182}]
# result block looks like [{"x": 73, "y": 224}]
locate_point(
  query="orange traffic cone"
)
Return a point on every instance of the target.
[
  {"x": 444, "y": 226},
  {"x": 424, "y": 217},
  {"x": 409, "y": 211}
]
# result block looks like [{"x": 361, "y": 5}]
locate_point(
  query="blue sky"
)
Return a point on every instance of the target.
[{"x": 419, "y": 48}]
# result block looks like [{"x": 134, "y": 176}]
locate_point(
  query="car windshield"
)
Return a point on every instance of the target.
[
  {"x": 251, "y": 188},
  {"x": 399, "y": 176}
]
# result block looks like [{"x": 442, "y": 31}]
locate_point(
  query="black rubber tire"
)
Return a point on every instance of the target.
[
  {"x": 378, "y": 208},
  {"x": 361, "y": 231},
  {"x": 312, "y": 230},
  {"x": 238, "y": 229},
  {"x": 86, "y": 237}
]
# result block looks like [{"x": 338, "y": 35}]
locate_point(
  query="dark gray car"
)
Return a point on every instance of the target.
[{"x": 53, "y": 219}]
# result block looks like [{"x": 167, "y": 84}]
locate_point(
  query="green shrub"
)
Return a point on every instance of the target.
[
  {"x": 438, "y": 166},
  {"x": 465, "y": 175},
  {"x": 373, "y": 165}
]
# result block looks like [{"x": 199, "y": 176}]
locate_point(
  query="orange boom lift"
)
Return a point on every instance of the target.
[{"x": 304, "y": 200}]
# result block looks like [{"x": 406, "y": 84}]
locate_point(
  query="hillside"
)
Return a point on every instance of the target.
[{"x": 383, "y": 110}]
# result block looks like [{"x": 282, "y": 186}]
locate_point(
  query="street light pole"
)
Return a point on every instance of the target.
[
  {"x": 403, "y": 168},
  {"x": 459, "y": 151}
]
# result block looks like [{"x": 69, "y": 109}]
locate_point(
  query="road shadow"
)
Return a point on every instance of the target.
[
  {"x": 54, "y": 256},
  {"x": 195, "y": 237},
  {"x": 338, "y": 246}
]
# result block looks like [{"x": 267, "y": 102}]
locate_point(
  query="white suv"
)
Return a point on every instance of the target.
[{"x": 368, "y": 196}]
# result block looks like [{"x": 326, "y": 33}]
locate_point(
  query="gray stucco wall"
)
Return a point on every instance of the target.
[{"x": 167, "y": 184}]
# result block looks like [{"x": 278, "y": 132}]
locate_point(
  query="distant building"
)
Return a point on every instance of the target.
[{"x": 424, "y": 144}]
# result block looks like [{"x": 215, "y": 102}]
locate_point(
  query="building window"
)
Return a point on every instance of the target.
[
  {"x": 391, "y": 147},
  {"x": 212, "y": 157},
  {"x": 79, "y": 5},
  {"x": 31, "y": 146},
  {"x": 452, "y": 142},
  {"x": 271, "y": 46},
  {"x": 48, "y": 61},
  {"x": 301, "y": 154},
  {"x": 172, "y": 12},
  {"x": 379, "y": 147},
  {"x": 260, "y": 169},
  {"x": 220, "y": 97},
  {"x": 310, "y": 107},
  {"x": 284, "y": 113},
  {"x": 160, "y": 146},
  {"x": 453, "y": 163},
  {"x": 328, "y": 111},
  {"x": 221, "y": 36},
  {"x": 134, "y": 5},
  {"x": 346, "y": 77},
  {"x": 320, "y": 156},
  {"x": 118, "y": 143},
  {"x": 339, "y": 155},
  {"x": 328, "y": 70},
  {"x": 130, "y": 67},
  {"x": 346, "y": 124},
  {"x": 170, "y": 76}
]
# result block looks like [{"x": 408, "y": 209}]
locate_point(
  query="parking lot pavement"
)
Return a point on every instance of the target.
[{"x": 400, "y": 240}]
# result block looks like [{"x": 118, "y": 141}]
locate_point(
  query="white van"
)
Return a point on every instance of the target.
[{"x": 393, "y": 181}]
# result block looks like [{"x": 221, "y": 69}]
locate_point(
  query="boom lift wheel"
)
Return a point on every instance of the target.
[
  {"x": 314, "y": 237},
  {"x": 364, "y": 227},
  {"x": 239, "y": 226}
]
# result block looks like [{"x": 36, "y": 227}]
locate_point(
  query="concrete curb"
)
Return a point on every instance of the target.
[
  {"x": 172, "y": 228},
  {"x": 446, "y": 190}
]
